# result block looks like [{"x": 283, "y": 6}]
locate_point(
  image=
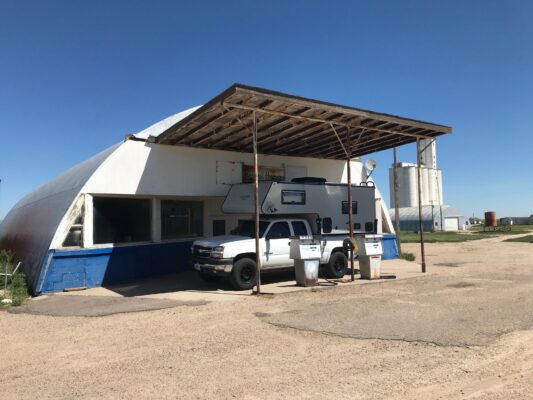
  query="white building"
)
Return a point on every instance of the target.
[{"x": 134, "y": 209}]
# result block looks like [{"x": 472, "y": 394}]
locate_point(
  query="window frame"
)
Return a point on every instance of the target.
[
  {"x": 213, "y": 226},
  {"x": 294, "y": 231},
  {"x": 344, "y": 206},
  {"x": 279, "y": 222},
  {"x": 293, "y": 191},
  {"x": 184, "y": 238},
  {"x": 112, "y": 244}
]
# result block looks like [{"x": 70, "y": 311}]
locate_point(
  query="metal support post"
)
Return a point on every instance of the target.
[
  {"x": 432, "y": 216},
  {"x": 396, "y": 205},
  {"x": 420, "y": 223},
  {"x": 348, "y": 152},
  {"x": 350, "y": 213},
  {"x": 5, "y": 281},
  {"x": 256, "y": 198}
]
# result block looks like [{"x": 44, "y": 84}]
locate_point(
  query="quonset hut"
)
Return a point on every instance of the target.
[
  {"x": 434, "y": 218},
  {"x": 134, "y": 209}
]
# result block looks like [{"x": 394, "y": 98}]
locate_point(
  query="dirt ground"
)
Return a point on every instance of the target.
[{"x": 462, "y": 331}]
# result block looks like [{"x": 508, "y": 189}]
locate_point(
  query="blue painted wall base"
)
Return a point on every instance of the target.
[
  {"x": 390, "y": 247},
  {"x": 107, "y": 266}
]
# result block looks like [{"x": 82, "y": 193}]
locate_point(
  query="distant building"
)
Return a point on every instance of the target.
[
  {"x": 441, "y": 218},
  {"x": 521, "y": 220},
  {"x": 476, "y": 221}
]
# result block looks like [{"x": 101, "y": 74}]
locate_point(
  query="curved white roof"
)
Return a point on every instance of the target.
[
  {"x": 29, "y": 227},
  {"x": 411, "y": 213},
  {"x": 161, "y": 126}
]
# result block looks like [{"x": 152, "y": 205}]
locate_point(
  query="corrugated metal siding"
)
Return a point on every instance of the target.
[{"x": 30, "y": 225}]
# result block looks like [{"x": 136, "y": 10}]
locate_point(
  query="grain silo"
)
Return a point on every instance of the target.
[
  {"x": 435, "y": 214},
  {"x": 431, "y": 177}
]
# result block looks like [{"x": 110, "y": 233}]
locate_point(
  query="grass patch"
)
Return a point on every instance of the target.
[
  {"x": 475, "y": 233},
  {"x": 440, "y": 237},
  {"x": 407, "y": 256},
  {"x": 514, "y": 230},
  {"x": 17, "y": 287},
  {"x": 523, "y": 239}
]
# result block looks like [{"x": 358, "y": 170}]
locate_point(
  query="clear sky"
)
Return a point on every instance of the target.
[{"x": 75, "y": 76}]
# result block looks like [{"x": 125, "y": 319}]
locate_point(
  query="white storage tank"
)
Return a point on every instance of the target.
[{"x": 431, "y": 185}]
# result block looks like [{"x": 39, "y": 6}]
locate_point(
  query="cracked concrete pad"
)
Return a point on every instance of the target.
[
  {"x": 441, "y": 311},
  {"x": 96, "y": 306}
]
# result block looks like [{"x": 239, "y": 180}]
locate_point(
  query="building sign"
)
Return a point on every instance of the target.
[{"x": 276, "y": 174}]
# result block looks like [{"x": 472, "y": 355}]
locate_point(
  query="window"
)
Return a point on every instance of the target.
[
  {"x": 181, "y": 219},
  {"x": 247, "y": 228},
  {"x": 327, "y": 225},
  {"x": 121, "y": 220},
  {"x": 293, "y": 197},
  {"x": 299, "y": 228},
  {"x": 280, "y": 229},
  {"x": 219, "y": 227},
  {"x": 345, "y": 207}
]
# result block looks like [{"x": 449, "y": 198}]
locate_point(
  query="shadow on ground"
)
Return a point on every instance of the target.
[{"x": 190, "y": 282}]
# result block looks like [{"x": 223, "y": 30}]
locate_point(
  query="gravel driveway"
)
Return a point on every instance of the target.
[{"x": 463, "y": 331}]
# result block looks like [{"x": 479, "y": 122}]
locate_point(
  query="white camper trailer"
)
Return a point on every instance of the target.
[
  {"x": 304, "y": 208},
  {"x": 326, "y": 202}
]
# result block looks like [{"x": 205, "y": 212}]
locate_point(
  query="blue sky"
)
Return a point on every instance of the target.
[{"x": 75, "y": 77}]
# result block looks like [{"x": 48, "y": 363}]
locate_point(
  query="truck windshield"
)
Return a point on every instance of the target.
[{"x": 247, "y": 228}]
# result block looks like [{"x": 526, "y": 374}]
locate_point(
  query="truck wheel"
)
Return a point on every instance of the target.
[
  {"x": 337, "y": 266},
  {"x": 243, "y": 274}
]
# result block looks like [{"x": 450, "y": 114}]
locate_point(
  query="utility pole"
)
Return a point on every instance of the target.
[
  {"x": 396, "y": 205},
  {"x": 420, "y": 223}
]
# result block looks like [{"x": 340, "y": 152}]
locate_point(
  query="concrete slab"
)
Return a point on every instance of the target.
[
  {"x": 442, "y": 310},
  {"x": 187, "y": 286},
  {"x": 96, "y": 306}
]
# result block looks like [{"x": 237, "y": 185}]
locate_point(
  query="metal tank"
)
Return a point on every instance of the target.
[{"x": 490, "y": 219}]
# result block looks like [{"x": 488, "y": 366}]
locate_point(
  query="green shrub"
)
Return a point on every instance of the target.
[
  {"x": 407, "y": 256},
  {"x": 6, "y": 258},
  {"x": 17, "y": 287}
]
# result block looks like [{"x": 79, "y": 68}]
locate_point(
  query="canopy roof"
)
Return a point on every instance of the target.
[{"x": 293, "y": 126}]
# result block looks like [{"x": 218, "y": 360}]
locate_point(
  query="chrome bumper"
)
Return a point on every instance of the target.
[{"x": 215, "y": 266}]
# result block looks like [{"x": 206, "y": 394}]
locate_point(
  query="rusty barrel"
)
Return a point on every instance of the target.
[{"x": 490, "y": 218}]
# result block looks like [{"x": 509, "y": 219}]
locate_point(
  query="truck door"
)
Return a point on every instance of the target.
[{"x": 277, "y": 245}]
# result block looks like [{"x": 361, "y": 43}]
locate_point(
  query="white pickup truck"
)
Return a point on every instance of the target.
[{"x": 233, "y": 256}]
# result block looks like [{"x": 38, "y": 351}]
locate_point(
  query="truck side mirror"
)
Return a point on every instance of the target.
[{"x": 327, "y": 225}]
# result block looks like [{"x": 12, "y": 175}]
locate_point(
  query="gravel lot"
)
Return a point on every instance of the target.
[{"x": 463, "y": 331}]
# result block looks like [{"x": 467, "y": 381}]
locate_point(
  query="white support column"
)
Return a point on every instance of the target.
[
  {"x": 156, "y": 220},
  {"x": 88, "y": 222}
]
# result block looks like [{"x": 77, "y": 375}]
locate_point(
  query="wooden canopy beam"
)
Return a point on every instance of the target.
[{"x": 263, "y": 110}]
